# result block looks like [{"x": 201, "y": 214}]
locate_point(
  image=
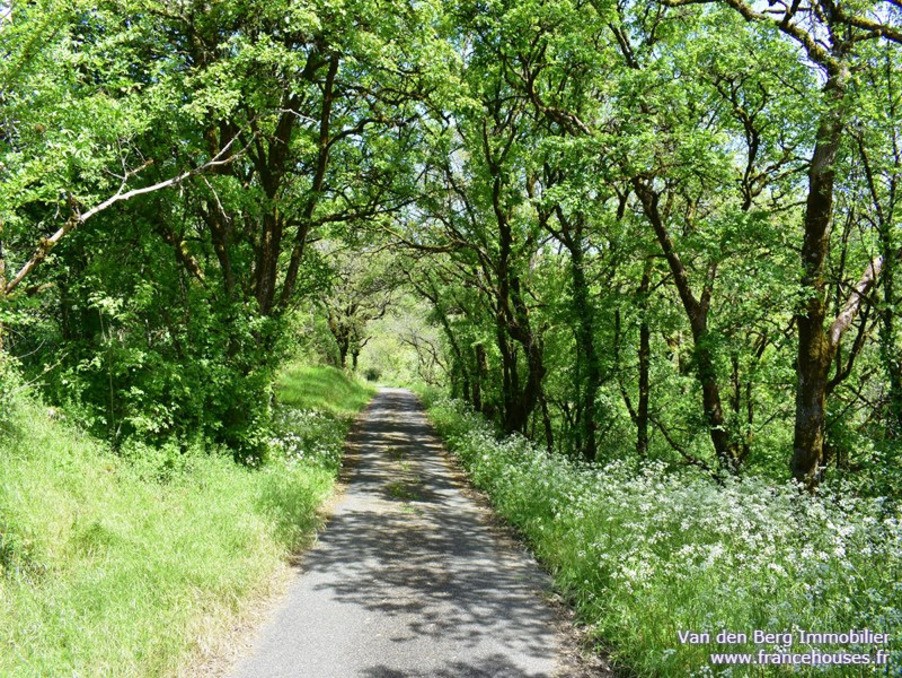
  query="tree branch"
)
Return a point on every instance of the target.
[
  {"x": 78, "y": 218},
  {"x": 844, "y": 319}
]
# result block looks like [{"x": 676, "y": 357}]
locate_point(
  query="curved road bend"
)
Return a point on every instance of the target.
[{"x": 407, "y": 580}]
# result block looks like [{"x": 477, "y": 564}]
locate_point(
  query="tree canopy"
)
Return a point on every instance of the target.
[{"x": 649, "y": 231}]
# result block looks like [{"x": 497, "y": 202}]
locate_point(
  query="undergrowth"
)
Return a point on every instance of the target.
[
  {"x": 645, "y": 555},
  {"x": 129, "y": 564}
]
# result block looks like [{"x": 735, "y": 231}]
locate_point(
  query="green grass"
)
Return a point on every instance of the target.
[
  {"x": 128, "y": 565},
  {"x": 325, "y": 389}
]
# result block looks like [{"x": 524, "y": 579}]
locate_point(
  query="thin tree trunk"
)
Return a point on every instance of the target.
[
  {"x": 889, "y": 343},
  {"x": 644, "y": 359},
  {"x": 889, "y": 352},
  {"x": 586, "y": 354},
  {"x": 482, "y": 369},
  {"x": 697, "y": 312},
  {"x": 889, "y": 338}
]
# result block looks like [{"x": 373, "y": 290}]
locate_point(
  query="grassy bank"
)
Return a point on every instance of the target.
[
  {"x": 126, "y": 564},
  {"x": 647, "y": 555},
  {"x": 323, "y": 389}
]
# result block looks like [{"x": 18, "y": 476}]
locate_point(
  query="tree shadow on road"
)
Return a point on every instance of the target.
[{"x": 436, "y": 568}]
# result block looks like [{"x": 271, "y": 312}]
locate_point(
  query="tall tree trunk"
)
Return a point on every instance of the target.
[
  {"x": 268, "y": 261},
  {"x": 513, "y": 318},
  {"x": 644, "y": 359},
  {"x": 519, "y": 402},
  {"x": 482, "y": 369},
  {"x": 570, "y": 233},
  {"x": 889, "y": 333},
  {"x": 889, "y": 344},
  {"x": 586, "y": 355},
  {"x": 272, "y": 165},
  {"x": 639, "y": 414},
  {"x": 520, "y": 329},
  {"x": 514, "y": 417},
  {"x": 532, "y": 390},
  {"x": 815, "y": 349},
  {"x": 509, "y": 380},
  {"x": 697, "y": 313}
]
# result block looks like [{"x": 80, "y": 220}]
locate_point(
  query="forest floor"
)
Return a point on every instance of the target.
[{"x": 410, "y": 577}]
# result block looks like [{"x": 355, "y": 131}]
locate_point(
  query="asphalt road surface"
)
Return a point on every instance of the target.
[{"x": 408, "y": 578}]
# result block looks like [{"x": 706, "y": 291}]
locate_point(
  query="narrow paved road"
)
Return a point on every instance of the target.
[{"x": 407, "y": 579}]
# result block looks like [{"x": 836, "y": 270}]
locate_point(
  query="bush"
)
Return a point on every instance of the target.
[
  {"x": 155, "y": 360},
  {"x": 646, "y": 555}
]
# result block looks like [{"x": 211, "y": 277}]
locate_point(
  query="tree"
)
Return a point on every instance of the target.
[
  {"x": 243, "y": 107},
  {"x": 829, "y": 34},
  {"x": 363, "y": 286},
  {"x": 879, "y": 153},
  {"x": 476, "y": 207}
]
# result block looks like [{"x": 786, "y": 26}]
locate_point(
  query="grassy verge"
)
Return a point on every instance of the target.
[
  {"x": 125, "y": 565},
  {"x": 323, "y": 389},
  {"x": 645, "y": 556}
]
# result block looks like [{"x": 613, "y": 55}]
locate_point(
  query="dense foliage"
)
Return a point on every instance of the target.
[
  {"x": 670, "y": 231},
  {"x": 671, "y": 222},
  {"x": 163, "y": 169},
  {"x": 658, "y": 238}
]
